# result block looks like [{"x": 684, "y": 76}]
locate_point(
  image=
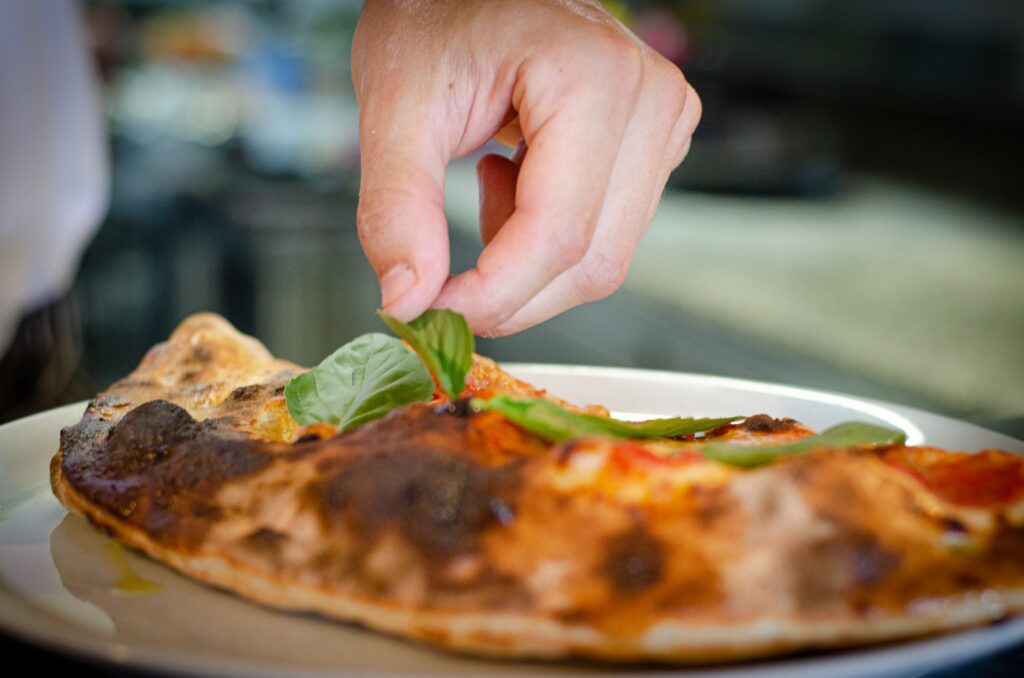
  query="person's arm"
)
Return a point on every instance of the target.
[{"x": 604, "y": 118}]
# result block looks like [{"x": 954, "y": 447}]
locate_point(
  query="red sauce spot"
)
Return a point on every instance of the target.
[
  {"x": 629, "y": 454},
  {"x": 983, "y": 479}
]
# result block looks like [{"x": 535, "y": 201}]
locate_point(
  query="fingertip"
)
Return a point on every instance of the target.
[
  {"x": 482, "y": 315},
  {"x": 409, "y": 289}
]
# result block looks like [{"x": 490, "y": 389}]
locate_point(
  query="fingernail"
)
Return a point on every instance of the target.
[{"x": 395, "y": 283}]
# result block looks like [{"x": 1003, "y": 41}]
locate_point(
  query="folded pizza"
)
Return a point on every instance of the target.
[{"x": 458, "y": 526}]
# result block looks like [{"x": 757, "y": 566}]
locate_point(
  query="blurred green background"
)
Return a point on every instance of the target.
[{"x": 849, "y": 218}]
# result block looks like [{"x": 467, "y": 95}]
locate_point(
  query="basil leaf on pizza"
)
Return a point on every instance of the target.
[
  {"x": 361, "y": 381},
  {"x": 849, "y": 434},
  {"x": 548, "y": 420},
  {"x": 443, "y": 341}
]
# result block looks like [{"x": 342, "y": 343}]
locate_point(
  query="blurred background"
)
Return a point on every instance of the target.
[{"x": 850, "y": 216}]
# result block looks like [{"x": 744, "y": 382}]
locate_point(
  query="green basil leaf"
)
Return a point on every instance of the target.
[
  {"x": 361, "y": 381},
  {"x": 849, "y": 434},
  {"x": 555, "y": 423},
  {"x": 443, "y": 341}
]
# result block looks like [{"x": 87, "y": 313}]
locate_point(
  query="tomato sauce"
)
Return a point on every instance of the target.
[{"x": 983, "y": 479}]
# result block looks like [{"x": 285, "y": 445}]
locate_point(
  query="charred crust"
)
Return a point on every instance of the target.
[
  {"x": 762, "y": 423},
  {"x": 712, "y": 505},
  {"x": 953, "y": 526},
  {"x": 129, "y": 383},
  {"x": 110, "y": 400},
  {"x": 439, "y": 502},
  {"x": 566, "y": 450},
  {"x": 634, "y": 561},
  {"x": 246, "y": 393},
  {"x": 265, "y": 542},
  {"x": 967, "y": 580},
  {"x": 457, "y": 408},
  {"x": 849, "y": 563},
  {"x": 144, "y": 438},
  {"x": 871, "y": 561},
  {"x": 74, "y": 440},
  {"x": 421, "y": 427},
  {"x": 158, "y": 468}
]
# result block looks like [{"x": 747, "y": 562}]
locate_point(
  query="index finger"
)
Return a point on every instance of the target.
[{"x": 561, "y": 189}]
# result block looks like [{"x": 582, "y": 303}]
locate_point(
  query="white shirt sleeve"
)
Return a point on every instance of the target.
[{"x": 53, "y": 159}]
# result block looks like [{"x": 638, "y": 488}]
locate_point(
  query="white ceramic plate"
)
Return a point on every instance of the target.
[{"x": 57, "y": 577}]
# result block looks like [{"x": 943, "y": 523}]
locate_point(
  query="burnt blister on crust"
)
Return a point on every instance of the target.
[
  {"x": 143, "y": 438},
  {"x": 456, "y": 408},
  {"x": 763, "y": 423},
  {"x": 634, "y": 561},
  {"x": 249, "y": 392},
  {"x": 439, "y": 502},
  {"x": 79, "y": 438},
  {"x": 158, "y": 468},
  {"x": 850, "y": 563},
  {"x": 266, "y": 543}
]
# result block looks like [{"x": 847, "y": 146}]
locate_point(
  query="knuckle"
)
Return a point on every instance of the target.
[
  {"x": 600, "y": 275},
  {"x": 569, "y": 245},
  {"x": 692, "y": 110},
  {"x": 685, "y": 125},
  {"x": 623, "y": 63},
  {"x": 603, "y": 53},
  {"x": 678, "y": 96},
  {"x": 673, "y": 88}
]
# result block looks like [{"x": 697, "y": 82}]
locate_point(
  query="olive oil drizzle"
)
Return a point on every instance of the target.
[{"x": 129, "y": 582}]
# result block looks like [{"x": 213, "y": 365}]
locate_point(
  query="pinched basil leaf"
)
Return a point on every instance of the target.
[
  {"x": 849, "y": 434},
  {"x": 361, "y": 381},
  {"x": 443, "y": 341},
  {"x": 556, "y": 424}
]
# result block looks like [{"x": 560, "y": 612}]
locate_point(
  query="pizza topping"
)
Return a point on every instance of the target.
[
  {"x": 556, "y": 424},
  {"x": 986, "y": 478},
  {"x": 631, "y": 454},
  {"x": 361, "y": 381},
  {"x": 850, "y": 434},
  {"x": 443, "y": 341},
  {"x": 486, "y": 379}
]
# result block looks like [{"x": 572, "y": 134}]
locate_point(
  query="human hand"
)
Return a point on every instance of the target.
[{"x": 604, "y": 121}]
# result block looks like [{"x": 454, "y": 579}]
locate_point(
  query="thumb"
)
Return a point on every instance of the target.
[{"x": 400, "y": 218}]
